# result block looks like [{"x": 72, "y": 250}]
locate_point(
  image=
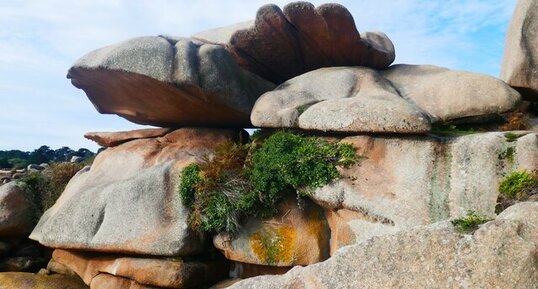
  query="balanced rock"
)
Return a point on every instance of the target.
[
  {"x": 409, "y": 181},
  {"x": 127, "y": 202},
  {"x": 168, "y": 82},
  {"x": 520, "y": 62},
  {"x": 295, "y": 236},
  {"x": 451, "y": 94},
  {"x": 340, "y": 99},
  {"x": 17, "y": 210},
  {"x": 282, "y": 44},
  {"x": 401, "y": 99},
  {"x": 501, "y": 254},
  {"x": 110, "y": 139},
  {"x": 158, "y": 272}
]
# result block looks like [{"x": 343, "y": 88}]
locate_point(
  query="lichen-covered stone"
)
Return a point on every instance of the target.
[
  {"x": 501, "y": 254},
  {"x": 17, "y": 280},
  {"x": 295, "y": 236}
]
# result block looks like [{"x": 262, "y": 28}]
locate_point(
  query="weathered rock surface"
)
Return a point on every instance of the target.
[
  {"x": 501, "y": 254},
  {"x": 107, "y": 281},
  {"x": 110, "y": 139},
  {"x": 17, "y": 210},
  {"x": 342, "y": 99},
  {"x": 409, "y": 181},
  {"x": 167, "y": 273},
  {"x": 401, "y": 99},
  {"x": 17, "y": 280},
  {"x": 282, "y": 44},
  {"x": 451, "y": 94},
  {"x": 520, "y": 62},
  {"x": 168, "y": 82},
  {"x": 127, "y": 202},
  {"x": 295, "y": 236}
]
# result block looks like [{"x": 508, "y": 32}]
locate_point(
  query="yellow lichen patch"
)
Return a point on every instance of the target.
[
  {"x": 317, "y": 228},
  {"x": 274, "y": 246}
]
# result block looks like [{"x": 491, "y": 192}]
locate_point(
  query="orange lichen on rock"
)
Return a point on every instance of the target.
[{"x": 274, "y": 246}]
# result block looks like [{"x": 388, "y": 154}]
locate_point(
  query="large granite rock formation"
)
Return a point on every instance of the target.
[
  {"x": 401, "y": 99},
  {"x": 282, "y": 44},
  {"x": 501, "y": 254},
  {"x": 127, "y": 202},
  {"x": 168, "y": 81},
  {"x": 408, "y": 181},
  {"x": 520, "y": 63}
]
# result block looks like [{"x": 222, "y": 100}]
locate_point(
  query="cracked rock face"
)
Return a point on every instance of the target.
[
  {"x": 401, "y": 99},
  {"x": 501, "y": 254},
  {"x": 168, "y": 82},
  {"x": 283, "y": 43},
  {"x": 127, "y": 202},
  {"x": 520, "y": 62},
  {"x": 404, "y": 182}
]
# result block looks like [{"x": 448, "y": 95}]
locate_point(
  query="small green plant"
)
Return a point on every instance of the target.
[
  {"x": 517, "y": 183},
  {"x": 508, "y": 154},
  {"x": 516, "y": 187},
  {"x": 249, "y": 180},
  {"x": 511, "y": 137},
  {"x": 469, "y": 223},
  {"x": 450, "y": 130}
]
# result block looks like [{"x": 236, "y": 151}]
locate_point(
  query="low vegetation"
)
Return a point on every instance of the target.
[
  {"x": 516, "y": 187},
  {"x": 250, "y": 179},
  {"x": 45, "y": 187},
  {"x": 469, "y": 223}
]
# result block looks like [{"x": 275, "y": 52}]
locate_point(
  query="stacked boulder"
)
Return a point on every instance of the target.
[{"x": 121, "y": 223}]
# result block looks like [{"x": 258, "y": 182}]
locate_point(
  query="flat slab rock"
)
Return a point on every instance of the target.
[
  {"x": 520, "y": 63},
  {"x": 502, "y": 252},
  {"x": 127, "y": 202},
  {"x": 401, "y": 99},
  {"x": 168, "y": 82},
  {"x": 404, "y": 182},
  {"x": 142, "y": 271},
  {"x": 283, "y": 43},
  {"x": 110, "y": 139}
]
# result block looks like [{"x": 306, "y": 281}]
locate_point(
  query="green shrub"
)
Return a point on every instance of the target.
[
  {"x": 250, "y": 179},
  {"x": 469, "y": 223},
  {"x": 45, "y": 187},
  {"x": 516, "y": 187},
  {"x": 517, "y": 183}
]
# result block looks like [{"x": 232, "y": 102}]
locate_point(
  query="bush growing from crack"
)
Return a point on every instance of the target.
[
  {"x": 250, "y": 180},
  {"x": 469, "y": 223},
  {"x": 516, "y": 187}
]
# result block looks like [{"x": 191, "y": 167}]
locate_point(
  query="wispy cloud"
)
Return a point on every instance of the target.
[{"x": 40, "y": 39}]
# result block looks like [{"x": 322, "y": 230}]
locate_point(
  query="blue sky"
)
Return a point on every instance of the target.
[{"x": 40, "y": 39}]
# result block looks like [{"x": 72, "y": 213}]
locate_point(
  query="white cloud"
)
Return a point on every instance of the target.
[{"x": 39, "y": 39}]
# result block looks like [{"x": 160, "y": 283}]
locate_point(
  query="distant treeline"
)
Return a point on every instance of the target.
[{"x": 16, "y": 159}]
